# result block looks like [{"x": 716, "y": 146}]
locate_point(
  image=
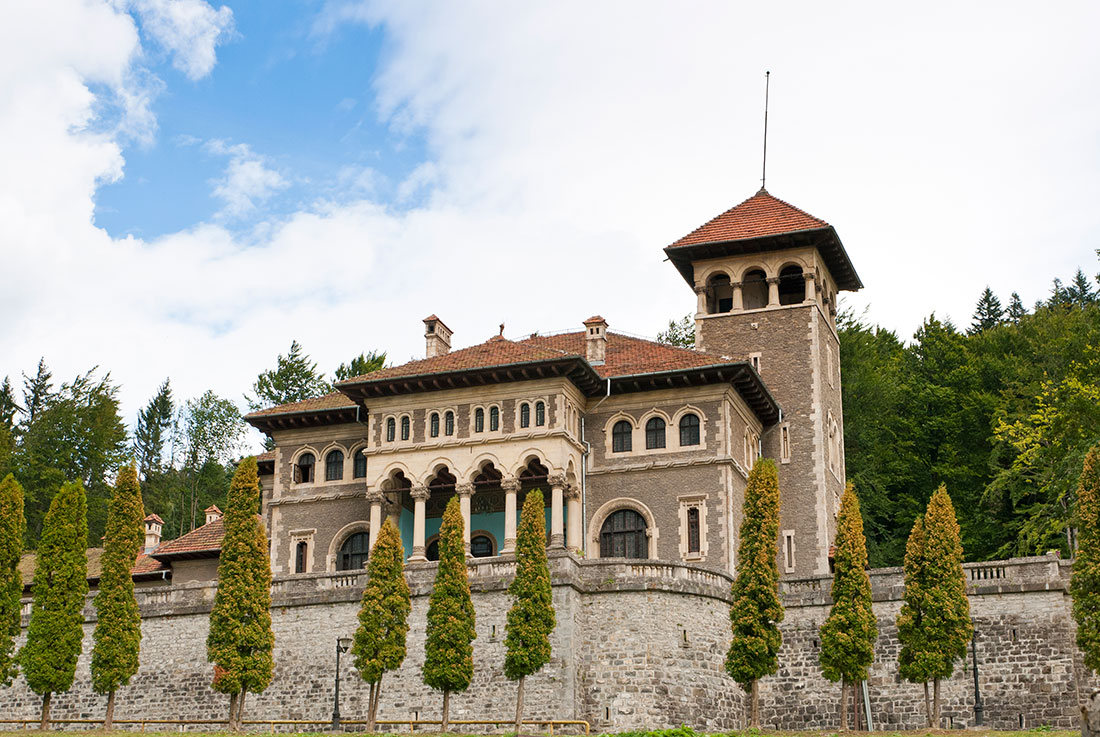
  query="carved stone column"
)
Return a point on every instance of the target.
[
  {"x": 773, "y": 291},
  {"x": 738, "y": 300},
  {"x": 557, "y": 509},
  {"x": 701, "y": 300},
  {"x": 575, "y": 524},
  {"x": 419, "y": 493},
  {"x": 375, "y": 499},
  {"x": 511, "y": 488},
  {"x": 811, "y": 286},
  {"x": 465, "y": 491}
]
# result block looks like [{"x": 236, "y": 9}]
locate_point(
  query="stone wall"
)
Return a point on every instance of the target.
[{"x": 638, "y": 644}]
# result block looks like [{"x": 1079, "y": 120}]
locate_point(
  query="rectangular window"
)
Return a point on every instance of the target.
[
  {"x": 494, "y": 419},
  {"x": 754, "y": 359},
  {"x": 788, "y": 551},
  {"x": 360, "y": 470},
  {"x": 785, "y": 444},
  {"x": 693, "y": 531},
  {"x": 301, "y": 550}
]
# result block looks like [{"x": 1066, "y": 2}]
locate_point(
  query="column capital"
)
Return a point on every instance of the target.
[
  {"x": 772, "y": 280},
  {"x": 419, "y": 491},
  {"x": 809, "y": 275},
  {"x": 466, "y": 489},
  {"x": 700, "y": 288},
  {"x": 556, "y": 480},
  {"x": 737, "y": 284},
  {"x": 375, "y": 496},
  {"x": 510, "y": 484},
  {"x": 572, "y": 491}
]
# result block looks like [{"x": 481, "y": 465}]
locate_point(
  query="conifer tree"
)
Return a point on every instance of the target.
[
  {"x": 756, "y": 610},
  {"x": 383, "y": 616},
  {"x": 448, "y": 648},
  {"x": 934, "y": 624},
  {"x": 1085, "y": 584},
  {"x": 1016, "y": 310},
  {"x": 849, "y": 633},
  {"x": 60, "y": 584},
  {"x": 37, "y": 391},
  {"x": 240, "y": 640},
  {"x": 12, "y": 528},
  {"x": 118, "y": 621},
  {"x": 294, "y": 378},
  {"x": 531, "y": 618},
  {"x": 988, "y": 313}
]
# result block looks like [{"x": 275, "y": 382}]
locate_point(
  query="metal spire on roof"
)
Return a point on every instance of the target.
[{"x": 764, "y": 172}]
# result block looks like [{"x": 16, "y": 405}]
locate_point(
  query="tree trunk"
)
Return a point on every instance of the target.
[
  {"x": 372, "y": 707},
  {"x": 844, "y": 704},
  {"x": 927, "y": 706},
  {"x": 936, "y": 702},
  {"x": 754, "y": 710},
  {"x": 519, "y": 707},
  {"x": 240, "y": 709},
  {"x": 109, "y": 717},
  {"x": 446, "y": 721},
  {"x": 45, "y": 724},
  {"x": 232, "y": 726}
]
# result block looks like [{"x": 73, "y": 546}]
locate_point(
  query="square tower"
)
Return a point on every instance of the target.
[{"x": 766, "y": 276}]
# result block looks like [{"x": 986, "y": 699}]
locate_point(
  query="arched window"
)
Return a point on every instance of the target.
[
  {"x": 754, "y": 290},
  {"x": 481, "y": 546},
  {"x": 360, "y": 469},
  {"x": 353, "y": 553},
  {"x": 334, "y": 466},
  {"x": 449, "y": 423},
  {"x": 303, "y": 470},
  {"x": 621, "y": 437},
  {"x": 623, "y": 536},
  {"x": 391, "y": 430},
  {"x": 479, "y": 420},
  {"x": 494, "y": 419},
  {"x": 719, "y": 294},
  {"x": 434, "y": 422},
  {"x": 540, "y": 414},
  {"x": 405, "y": 428},
  {"x": 301, "y": 551},
  {"x": 655, "y": 433},
  {"x": 792, "y": 286},
  {"x": 689, "y": 430},
  {"x": 525, "y": 415}
]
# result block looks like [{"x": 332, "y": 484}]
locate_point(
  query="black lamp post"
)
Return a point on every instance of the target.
[
  {"x": 977, "y": 692},
  {"x": 342, "y": 645}
]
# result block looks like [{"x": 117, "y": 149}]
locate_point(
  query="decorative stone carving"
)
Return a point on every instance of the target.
[
  {"x": 419, "y": 491},
  {"x": 510, "y": 484},
  {"x": 466, "y": 489},
  {"x": 572, "y": 491},
  {"x": 375, "y": 496},
  {"x": 556, "y": 480}
]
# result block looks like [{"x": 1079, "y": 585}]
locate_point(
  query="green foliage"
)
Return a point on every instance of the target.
[
  {"x": 293, "y": 379},
  {"x": 448, "y": 649},
  {"x": 531, "y": 618},
  {"x": 240, "y": 639},
  {"x": 364, "y": 363},
  {"x": 849, "y": 633},
  {"x": 1085, "y": 584},
  {"x": 756, "y": 610},
  {"x": 48, "y": 658},
  {"x": 12, "y": 526},
  {"x": 679, "y": 333},
  {"x": 154, "y": 424},
  {"x": 988, "y": 314},
  {"x": 1016, "y": 310},
  {"x": 384, "y": 612},
  {"x": 118, "y": 622},
  {"x": 934, "y": 624},
  {"x": 37, "y": 391}
]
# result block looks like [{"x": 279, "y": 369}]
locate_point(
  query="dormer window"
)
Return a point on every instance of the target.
[
  {"x": 540, "y": 414},
  {"x": 433, "y": 423},
  {"x": 391, "y": 430},
  {"x": 303, "y": 470},
  {"x": 479, "y": 420},
  {"x": 449, "y": 423},
  {"x": 525, "y": 415}
]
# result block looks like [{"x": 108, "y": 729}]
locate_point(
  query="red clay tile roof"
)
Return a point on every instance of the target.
[
  {"x": 757, "y": 217},
  {"x": 146, "y": 564},
  {"x": 154, "y": 518},
  {"x": 267, "y": 456},
  {"x": 491, "y": 353},
  {"x": 143, "y": 566},
  {"x": 205, "y": 539},
  {"x": 333, "y": 400},
  {"x": 628, "y": 356}
]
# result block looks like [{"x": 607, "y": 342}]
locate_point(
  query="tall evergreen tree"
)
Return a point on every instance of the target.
[
  {"x": 934, "y": 623},
  {"x": 448, "y": 646},
  {"x": 1085, "y": 584},
  {"x": 1016, "y": 310},
  {"x": 153, "y": 425},
  {"x": 240, "y": 640},
  {"x": 48, "y": 658},
  {"x": 293, "y": 379},
  {"x": 988, "y": 314},
  {"x": 12, "y": 528},
  {"x": 756, "y": 610},
  {"x": 1080, "y": 292},
  {"x": 8, "y": 407},
  {"x": 118, "y": 621},
  {"x": 849, "y": 633},
  {"x": 364, "y": 363},
  {"x": 37, "y": 390},
  {"x": 383, "y": 616},
  {"x": 531, "y": 619}
]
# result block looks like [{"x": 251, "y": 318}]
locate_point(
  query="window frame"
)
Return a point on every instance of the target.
[
  {"x": 494, "y": 419},
  {"x": 524, "y": 415},
  {"x": 355, "y": 464},
  {"x": 449, "y": 423},
  {"x": 433, "y": 425},
  {"x": 627, "y": 438},
  {"x": 309, "y": 477},
  {"x": 609, "y": 536},
  {"x": 697, "y": 427},
  {"x": 301, "y": 556},
  {"x": 351, "y": 555},
  {"x": 479, "y": 420},
  {"x": 540, "y": 413},
  {"x": 406, "y": 428},
  {"x": 655, "y": 433},
  {"x": 391, "y": 429},
  {"x": 334, "y": 469}
]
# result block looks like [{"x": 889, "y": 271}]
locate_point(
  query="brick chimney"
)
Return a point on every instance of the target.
[
  {"x": 437, "y": 337},
  {"x": 213, "y": 514},
  {"x": 595, "y": 340},
  {"x": 153, "y": 527}
]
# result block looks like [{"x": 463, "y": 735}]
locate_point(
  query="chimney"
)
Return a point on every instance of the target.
[
  {"x": 437, "y": 337},
  {"x": 595, "y": 340},
  {"x": 213, "y": 514},
  {"x": 153, "y": 527}
]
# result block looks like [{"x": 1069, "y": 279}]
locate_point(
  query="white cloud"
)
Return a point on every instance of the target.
[
  {"x": 189, "y": 30},
  {"x": 247, "y": 182}
]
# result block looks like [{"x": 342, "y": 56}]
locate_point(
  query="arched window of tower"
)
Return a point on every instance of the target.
[
  {"x": 755, "y": 290},
  {"x": 719, "y": 294},
  {"x": 792, "y": 286}
]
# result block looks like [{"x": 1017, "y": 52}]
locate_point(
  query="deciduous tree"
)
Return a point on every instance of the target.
[
  {"x": 12, "y": 526},
  {"x": 1085, "y": 584}
]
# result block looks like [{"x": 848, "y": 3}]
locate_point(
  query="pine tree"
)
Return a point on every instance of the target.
[
  {"x": 12, "y": 528},
  {"x": 118, "y": 621},
  {"x": 60, "y": 584},
  {"x": 1080, "y": 292},
  {"x": 1016, "y": 309},
  {"x": 383, "y": 616},
  {"x": 154, "y": 422},
  {"x": 37, "y": 391},
  {"x": 293, "y": 379},
  {"x": 8, "y": 407},
  {"x": 988, "y": 314},
  {"x": 448, "y": 648},
  {"x": 756, "y": 610},
  {"x": 934, "y": 624},
  {"x": 531, "y": 618},
  {"x": 849, "y": 633},
  {"x": 1085, "y": 584},
  {"x": 240, "y": 640},
  {"x": 364, "y": 363}
]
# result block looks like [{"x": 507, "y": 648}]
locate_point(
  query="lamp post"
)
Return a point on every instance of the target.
[
  {"x": 977, "y": 692},
  {"x": 342, "y": 645}
]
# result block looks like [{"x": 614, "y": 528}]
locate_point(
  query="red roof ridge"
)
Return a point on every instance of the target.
[
  {"x": 759, "y": 216},
  {"x": 332, "y": 400}
]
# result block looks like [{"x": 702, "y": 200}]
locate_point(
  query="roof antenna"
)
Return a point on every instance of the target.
[
  {"x": 502, "y": 330},
  {"x": 764, "y": 171}
]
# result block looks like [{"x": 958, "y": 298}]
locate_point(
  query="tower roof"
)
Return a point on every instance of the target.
[{"x": 763, "y": 223}]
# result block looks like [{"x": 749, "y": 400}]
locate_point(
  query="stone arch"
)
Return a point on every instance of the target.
[
  {"x": 614, "y": 505},
  {"x": 322, "y": 462},
  {"x": 531, "y": 454},
  {"x": 754, "y": 288},
  {"x": 674, "y": 426},
  {"x": 719, "y": 286},
  {"x": 479, "y": 464},
  {"x": 792, "y": 284},
  {"x": 338, "y": 541},
  {"x": 389, "y": 470}
]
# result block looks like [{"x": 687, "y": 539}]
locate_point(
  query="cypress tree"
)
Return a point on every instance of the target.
[
  {"x": 849, "y": 633},
  {"x": 118, "y": 622},
  {"x": 756, "y": 610},
  {"x": 12, "y": 528},
  {"x": 240, "y": 640},
  {"x": 531, "y": 618},
  {"x": 934, "y": 623},
  {"x": 1085, "y": 584},
  {"x": 383, "y": 616},
  {"x": 448, "y": 648},
  {"x": 60, "y": 584}
]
